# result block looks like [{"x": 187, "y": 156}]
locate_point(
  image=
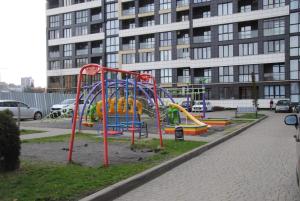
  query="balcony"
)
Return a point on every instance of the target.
[
  {"x": 183, "y": 41},
  {"x": 248, "y": 34},
  {"x": 54, "y": 54},
  {"x": 127, "y": 12},
  {"x": 275, "y": 31},
  {"x": 81, "y": 52},
  {"x": 97, "y": 50},
  {"x": 184, "y": 79},
  {"x": 182, "y": 3},
  {"x": 146, "y": 45},
  {"x": 202, "y": 39},
  {"x": 199, "y": 80},
  {"x": 128, "y": 46},
  {"x": 146, "y": 9},
  {"x": 274, "y": 76},
  {"x": 96, "y": 17}
]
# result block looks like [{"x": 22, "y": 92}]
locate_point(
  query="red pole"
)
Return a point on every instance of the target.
[
  {"x": 71, "y": 143},
  {"x": 157, "y": 113},
  {"x": 104, "y": 117}
]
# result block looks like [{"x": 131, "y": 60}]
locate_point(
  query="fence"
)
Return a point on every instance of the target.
[{"x": 43, "y": 101}]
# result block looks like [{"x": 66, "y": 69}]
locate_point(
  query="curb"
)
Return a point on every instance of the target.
[{"x": 116, "y": 190}]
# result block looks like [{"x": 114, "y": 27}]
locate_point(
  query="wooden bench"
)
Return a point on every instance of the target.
[{"x": 243, "y": 110}]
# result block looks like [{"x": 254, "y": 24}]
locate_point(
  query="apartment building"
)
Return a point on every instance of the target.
[{"x": 185, "y": 44}]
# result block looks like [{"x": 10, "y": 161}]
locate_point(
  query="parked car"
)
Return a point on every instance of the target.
[
  {"x": 198, "y": 106},
  {"x": 67, "y": 107},
  {"x": 283, "y": 106},
  {"x": 26, "y": 112},
  {"x": 187, "y": 105},
  {"x": 293, "y": 120}
]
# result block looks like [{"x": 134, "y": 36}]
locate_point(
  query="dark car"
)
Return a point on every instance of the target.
[
  {"x": 293, "y": 120},
  {"x": 283, "y": 106},
  {"x": 187, "y": 105}
]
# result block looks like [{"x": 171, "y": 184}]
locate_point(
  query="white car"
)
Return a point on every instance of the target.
[
  {"x": 26, "y": 112},
  {"x": 198, "y": 106},
  {"x": 66, "y": 107}
]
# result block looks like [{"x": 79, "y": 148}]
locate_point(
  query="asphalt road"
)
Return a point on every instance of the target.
[{"x": 257, "y": 165}]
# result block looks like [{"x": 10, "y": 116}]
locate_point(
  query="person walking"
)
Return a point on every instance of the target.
[{"x": 271, "y": 104}]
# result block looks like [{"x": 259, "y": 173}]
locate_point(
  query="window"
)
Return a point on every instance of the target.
[
  {"x": 274, "y": 91},
  {"x": 81, "y": 30},
  {"x": 273, "y": 3},
  {"x": 112, "y": 44},
  {"x": 226, "y": 51},
  {"x": 67, "y": 33},
  {"x": 128, "y": 58},
  {"x": 165, "y": 39},
  {"x": 294, "y": 69},
  {"x": 111, "y": 11},
  {"x": 274, "y": 46},
  {"x": 294, "y": 22},
  {"x": 68, "y": 63},
  {"x": 81, "y": 49},
  {"x": 81, "y": 16},
  {"x": 201, "y": 1},
  {"x": 274, "y": 26},
  {"x": 202, "y": 53},
  {"x": 183, "y": 53},
  {"x": 164, "y": 4},
  {"x": 81, "y": 62},
  {"x": 112, "y": 27},
  {"x": 224, "y": 9},
  {"x": 226, "y": 74},
  {"x": 111, "y": 60},
  {"x": 295, "y": 95},
  {"x": 147, "y": 42},
  {"x": 67, "y": 19},
  {"x": 225, "y": 32},
  {"x": 54, "y": 21},
  {"x": 245, "y": 8},
  {"x": 278, "y": 72},
  {"x": 294, "y": 4},
  {"x": 245, "y": 73},
  {"x": 68, "y": 50},
  {"x": 53, "y": 34},
  {"x": 248, "y": 49},
  {"x": 54, "y": 65},
  {"x": 67, "y": 2},
  {"x": 146, "y": 57},
  {"x": 166, "y": 76},
  {"x": 54, "y": 52},
  {"x": 165, "y": 18},
  {"x": 165, "y": 55},
  {"x": 294, "y": 46}
]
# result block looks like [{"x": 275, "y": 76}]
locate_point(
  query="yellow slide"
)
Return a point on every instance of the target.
[{"x": 187, "y": 114}]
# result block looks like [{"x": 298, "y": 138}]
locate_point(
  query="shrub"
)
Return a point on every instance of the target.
[{"x": 10, "y": 144}]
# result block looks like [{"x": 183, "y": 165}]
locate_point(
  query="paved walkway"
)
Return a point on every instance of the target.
[{"x": 259, "y": 165}]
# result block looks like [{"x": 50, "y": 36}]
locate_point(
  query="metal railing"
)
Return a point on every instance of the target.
[
  {"x": 97, "y": 50},
  {"x": 128, "y": 46},
  {"x": 147, "y": 9},
  {"x": 182, "y": 3},
  {"x": 274, "y": 76},
  {"x": 130, "y": 11},
  {"x": 202, "y": 39},
  {"x": 96, "y": 17},
  {"x": 183, "y": 41},
  {"x": 184, "y": 79},
  {"x": 146, "y": 45},
  {"x": 198, "y": 80},
  {"x": 248, "y": 34}
]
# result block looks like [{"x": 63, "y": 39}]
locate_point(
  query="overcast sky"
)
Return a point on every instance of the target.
[{"x": 23, "y": 41}]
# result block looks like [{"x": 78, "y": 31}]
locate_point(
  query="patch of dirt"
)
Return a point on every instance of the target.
[{"x": 84, "y": 153}]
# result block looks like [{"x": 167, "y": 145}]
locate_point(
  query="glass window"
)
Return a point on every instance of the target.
[
  {"x": 226, "y": 74},
  {"x": 81, "y": 62},
  {"x": 295, "y": 95},
  {"x": 81, "y": 16},
  {"x": 202, "y": 53},
  {"x": 165, "y": 39},
  {"x": 112, "y": 44},
  {"x": 274, "y": 91},
  {"x": 226, "y": 51},
  {"x": 274, "y": 26},
  {"x": 164, "y": 4},
  {"x": 67, "y": 33},
  {"x": 81, "y": 48},
  {"x": 294, "y": 46},
  {"x": 146, "y": 57},
  {"x": 225, "y": 32},
  {"x": 54, "y": 21},
  {"x": 54, "y": 51},
  {"x": 273, "y": 3},
  {"x": 68, "y": 63},
  {"x": 294, "y": 69},
  {"x": 165, "y": 18},
  {"x": 166, "y": 75},
  {"x": 165, "y": 55},
  {"x": 68, "y": 50},
  {"x": 294, "y": 22},
  {"x": 67, "y": 2},
  {"x": 224, "y": 9},
  {"x": 248, "y": 49},
  {"x": 112, "y": 27},
  {"x": 294, "y": 4},
  {"x": 54, "y": 65},
  {"x": 53, "y": 34},
  {"x": 128, "y": 58},
  {"x": 274, "y": 46},
  {"x": 278, "y": 72},
  {"x": 183, "y": 53},
  {"x": 81, "y": 30},
  {"x": 111, "y": 60},
  {"x": 201, "y": 1},
  {"x": 111, "y": 11},
  {"x": 67, "y": 19},
  {"x": 245, "y": 73}
]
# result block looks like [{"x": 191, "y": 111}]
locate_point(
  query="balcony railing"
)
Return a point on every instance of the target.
[
  {"x": 96, "y": 17},
  {"x": 146, "y": 45},
  {"x": 184, "y": 79},
  {"x": 127, "y": 12},
  {"x": 128, "y": 46},
  {"x": 202, "y": 39},
  {"x": 183, "y": 41},
  {"x": 199, "y": 80},
  {"x": 97, "y": 50},
  {"x": 274, "y": 76},
  {"x": 54, "y": 54},
  {"x": 82, "y": 52},
  {"x": 146, "y": 9},
  {"x": 275, "y": 31},
  {"x": 248, "y": 34},
  {"x": 182, "y": 3}
]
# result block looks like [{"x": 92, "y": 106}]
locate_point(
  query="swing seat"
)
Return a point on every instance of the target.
[
  {"x": 134, "y": 129},
  {"x": 114, "y": 133},
  {"x": 88, "y": 124}
]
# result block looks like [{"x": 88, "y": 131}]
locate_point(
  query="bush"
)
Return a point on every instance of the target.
[{"x": 10, "y": 144}]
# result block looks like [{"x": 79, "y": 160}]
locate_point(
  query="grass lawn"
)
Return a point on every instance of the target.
[
  {"x": 25, "y": 131},
  {"x": 250, "y": 116},
  {"x": 49, "y": 181}
]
